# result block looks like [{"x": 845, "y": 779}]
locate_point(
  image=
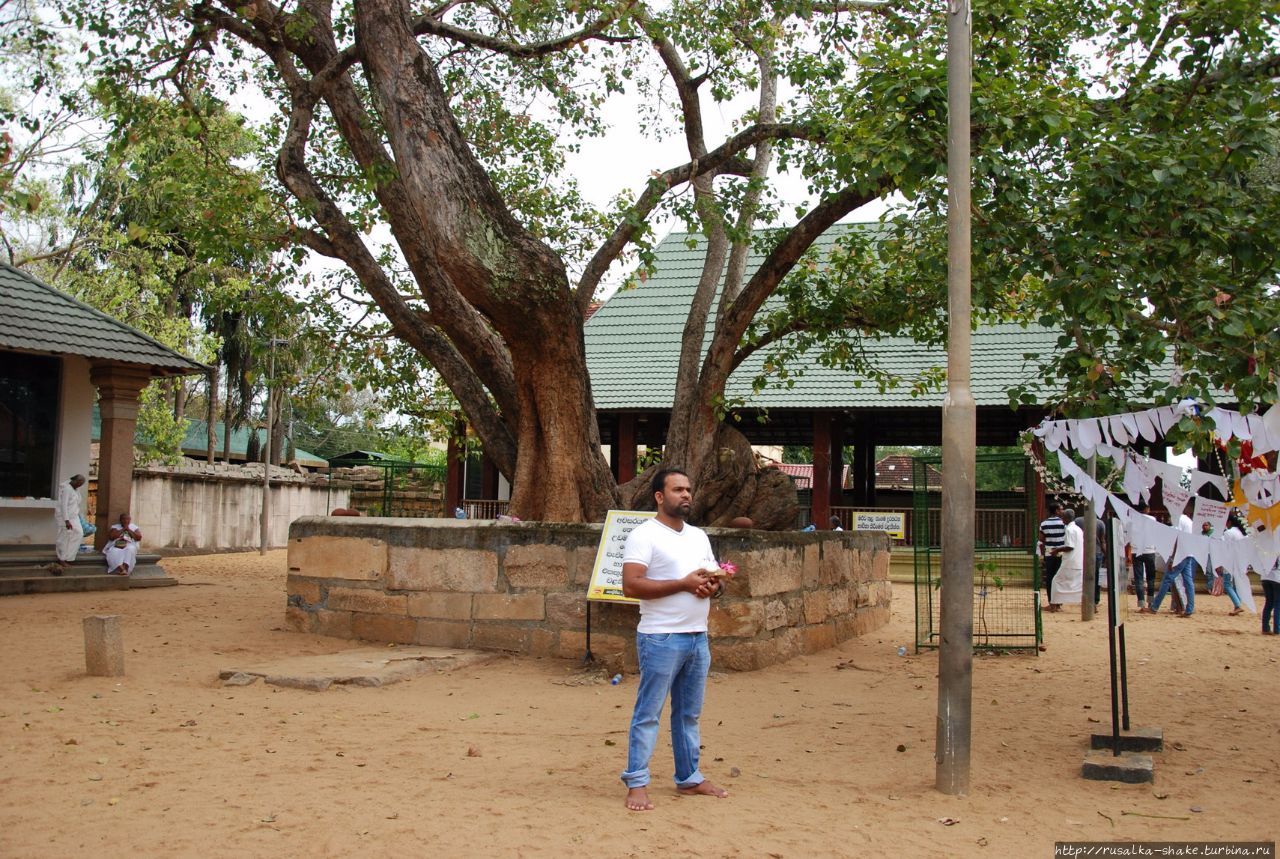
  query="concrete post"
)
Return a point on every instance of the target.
[
  {"x": 103, "y": 646},
  {"x": 959, "y": 434},
  {"x": 119, "y": 386}
]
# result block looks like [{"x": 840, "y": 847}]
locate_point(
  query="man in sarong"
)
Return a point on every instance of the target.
[
  {"x": 121, "y": 550},
  {"x": 1068, "y": 584},
  {"x": 67, "y": 515}
]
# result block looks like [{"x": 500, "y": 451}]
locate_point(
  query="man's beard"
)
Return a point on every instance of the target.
[{"x": 681, "y": 511}]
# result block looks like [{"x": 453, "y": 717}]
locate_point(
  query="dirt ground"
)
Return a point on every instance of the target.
[{"x": 827, "y": 755}]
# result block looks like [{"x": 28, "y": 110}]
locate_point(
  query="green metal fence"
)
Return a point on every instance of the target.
[{"x": 1006, "y": 576}]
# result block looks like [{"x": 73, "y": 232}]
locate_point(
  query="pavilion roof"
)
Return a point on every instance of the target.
[
  {"x": 633, "y": 347},
  {"x": 35, "y": 317}
]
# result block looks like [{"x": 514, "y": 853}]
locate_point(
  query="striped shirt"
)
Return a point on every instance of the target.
[{"x": 1053, "y": 531}]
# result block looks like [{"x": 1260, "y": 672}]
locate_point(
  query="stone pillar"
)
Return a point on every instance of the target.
[
  {"x": 119, "y": 386},
  {"x": 103, "y": 646},
  {"x": 821, "y": 492},
  {"x": 625, "y": 443},
  {"x": 837, "y": 461}
]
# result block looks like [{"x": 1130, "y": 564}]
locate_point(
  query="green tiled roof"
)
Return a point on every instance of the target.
[
  {"x": 36, "y": 317},
  {"x": 633, "y": 348}
]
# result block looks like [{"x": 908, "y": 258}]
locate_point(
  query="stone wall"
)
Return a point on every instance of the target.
[
  {"x": 520, "y": 587},
  {"x": 219, "y": 507}
]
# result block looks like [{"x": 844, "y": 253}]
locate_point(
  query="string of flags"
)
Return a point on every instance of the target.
[
  {"x": 1103, "y": 435},
  {"x": 1253, "y": 491}
]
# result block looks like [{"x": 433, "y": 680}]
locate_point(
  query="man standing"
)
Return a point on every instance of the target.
[
  {"x": 1052, "y": 531},
  {"x": 1183, "y": 572},
  {"x": 70, "y": 534},
  {"x": 1144, "y": 563},
  {"x": 667, "y": 564},
  {"x": 1068, "y": 584}
]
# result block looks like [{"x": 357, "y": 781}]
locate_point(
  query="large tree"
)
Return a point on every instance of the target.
[{"x": 424, "y": 147}]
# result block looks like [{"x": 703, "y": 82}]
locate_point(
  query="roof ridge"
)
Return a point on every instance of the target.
[{"x": 31, "y": 278}]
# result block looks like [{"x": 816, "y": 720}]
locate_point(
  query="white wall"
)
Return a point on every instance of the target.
[
  {"x": 25, "y": 521},
  {"x": 178, "y": 509}
]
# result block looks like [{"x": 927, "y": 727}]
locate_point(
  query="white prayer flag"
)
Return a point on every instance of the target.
[
  {"x": 1175, "y": 500},
  {"x": 1210, "y": 511}
]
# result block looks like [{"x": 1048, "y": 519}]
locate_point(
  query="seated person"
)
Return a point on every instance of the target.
[{"x": 121, "y": 550}]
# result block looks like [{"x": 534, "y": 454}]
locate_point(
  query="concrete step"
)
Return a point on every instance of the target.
[{"x": 63, "y": 584}]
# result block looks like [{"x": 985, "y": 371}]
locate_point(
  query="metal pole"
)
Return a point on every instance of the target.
[
  {"x": 959, "y": 450},
  {"x": 1090, "y": 585}
]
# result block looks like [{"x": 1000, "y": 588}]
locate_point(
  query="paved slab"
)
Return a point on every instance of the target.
[
  {"x": 362, "y": 666},
  {"x": 1128, "y": 767}
]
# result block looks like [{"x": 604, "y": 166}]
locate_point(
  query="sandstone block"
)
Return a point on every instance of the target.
[
  {"x": 880, "y": 566},
  {"x": 785, "y": 644},
  {"x": 833, "y": 569},
  {"x": 809, "y": 568},
  {"x": 536, "y": 566},
  {"x": 298, "y": 619},
  {"x": 870, "y": 619},
  {"x": 735, "y": 619},
  {"x": 821, "y": 637},
  {"x": 414, "y": 569},
  {"x": 860, "y": 566},
  {"x": 333, "y": 623},
  {"x": 770, "y": 571},
  {"x": 543, "y": 642},
  {"x": 581, "y": 562},
  {"x": 862, "y": 596},
  {"x": 816, "y": 606},
  {"x": 323, "y": 557},
  {"x": 775, "y": 614},
  {"x": 445, "y": 605},
  {"x": 103, "y": 645},
  {"x": 573, "y": 644},
  {"x": 839, "y": 601},
  {"x": 500, "y": 636},
  {"x": 508, "y": 607},
  {"x": 383, "y": 627},
  {"x": 443, "y": 633},
  {"x": 367, "y": 600},
  {"x": 739, "y": 656},
  {"x": 308, "y": 590},
  {"x": 566, "y": 610}
]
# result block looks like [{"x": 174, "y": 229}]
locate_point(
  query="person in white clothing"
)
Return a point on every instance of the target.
[
  {"x": 67, "y": 515},
  {"x": 668, "y": 565},
  {"x": 121, "y": 551},
  {"x": 1068, "y": 584}
]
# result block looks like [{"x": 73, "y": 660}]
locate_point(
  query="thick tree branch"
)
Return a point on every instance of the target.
[{"x": 723, "y": 159}]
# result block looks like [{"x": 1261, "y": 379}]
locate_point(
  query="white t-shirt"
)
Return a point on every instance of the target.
[{"x": 670, "y": 554}]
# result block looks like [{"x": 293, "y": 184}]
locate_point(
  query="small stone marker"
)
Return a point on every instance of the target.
[
  {"x": 1146, "y": 739},
  {"x": 1129, "y": 767},
  {"x": 103, "y": 646}
]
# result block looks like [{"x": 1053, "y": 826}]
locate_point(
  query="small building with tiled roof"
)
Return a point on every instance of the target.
[
  {"x": 57, "y": 357},
  {"x": 633, "y": 348}
]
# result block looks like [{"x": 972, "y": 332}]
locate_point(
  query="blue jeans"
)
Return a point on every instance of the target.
[
  {"x": 1144, "y": 576},
  {"x": 1271, "y": 608},
  {"x": 1186, "y": 570},
  {"x": 1229, "y": 588},
  {"x": 675, "y": 664}
]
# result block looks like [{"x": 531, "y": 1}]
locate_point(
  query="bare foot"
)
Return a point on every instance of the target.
[
  {"x": 638, "y": 799},
  {"x": 704, "y": 788},
  {"x": 1235, "y": 611}
]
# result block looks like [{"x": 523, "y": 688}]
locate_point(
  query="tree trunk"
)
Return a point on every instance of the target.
[
  {"x": 452, "y": 214},
  {"x": 226, "y": 420},
  {"x": 561, "y": 473},
  {"x": 179, "y": 399},
  {"x": 211, "y": 434}
]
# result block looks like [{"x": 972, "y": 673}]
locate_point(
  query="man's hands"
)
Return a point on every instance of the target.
[{"x": 701, "y": 583}]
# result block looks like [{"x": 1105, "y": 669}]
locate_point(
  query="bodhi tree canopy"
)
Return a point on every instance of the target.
[{"x": 1121, "y": 193}]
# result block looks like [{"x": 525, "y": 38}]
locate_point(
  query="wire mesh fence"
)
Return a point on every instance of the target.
[{"x": 1006, "y": 575}]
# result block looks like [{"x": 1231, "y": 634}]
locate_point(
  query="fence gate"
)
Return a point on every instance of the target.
[{"x": 1006, "y": 575}]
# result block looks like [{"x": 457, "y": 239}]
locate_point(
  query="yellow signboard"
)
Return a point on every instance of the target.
[
  {"x": 881, "y": 520},
  {"x": 606, "y": 575}
]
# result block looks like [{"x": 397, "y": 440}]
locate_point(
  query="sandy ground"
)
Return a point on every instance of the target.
[{"x": 520, "y": 757}]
